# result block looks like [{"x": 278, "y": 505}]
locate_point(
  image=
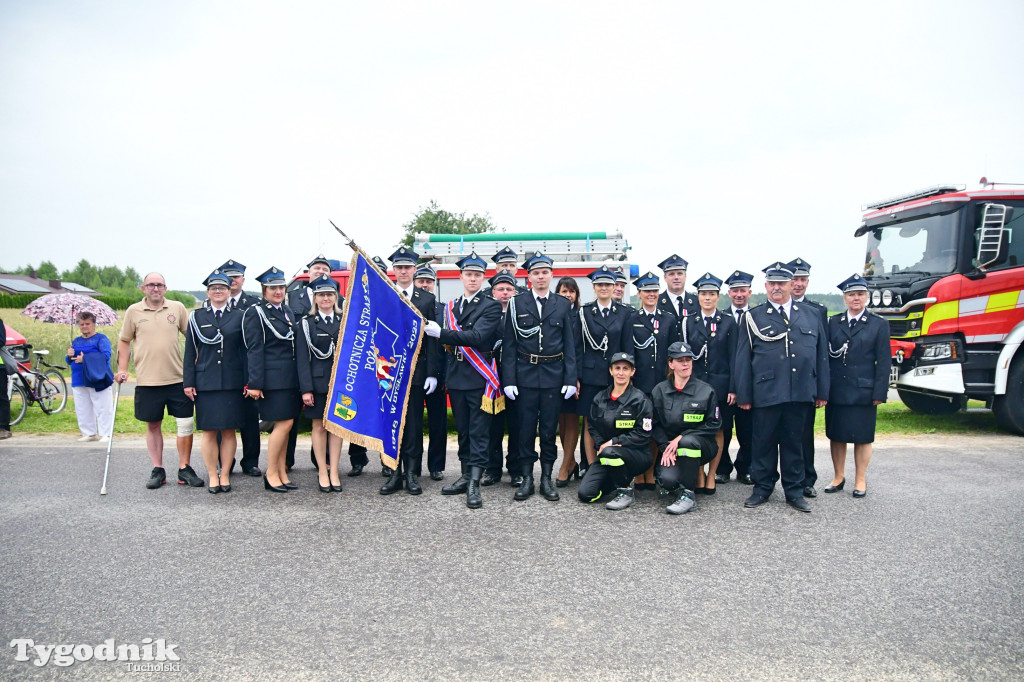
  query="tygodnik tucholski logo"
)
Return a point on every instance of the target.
[{"x": 150, "y": 655}]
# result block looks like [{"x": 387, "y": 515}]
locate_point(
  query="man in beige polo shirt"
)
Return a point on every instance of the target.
[{"x": 152, "y": 326}]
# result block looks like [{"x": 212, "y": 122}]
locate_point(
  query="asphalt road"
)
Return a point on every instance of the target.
[{"x": 920, "y": 580}]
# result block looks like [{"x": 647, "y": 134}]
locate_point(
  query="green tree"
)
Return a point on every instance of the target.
[
  {"x": 435, "y": 220},
  {"x": 47, "y": 270}
]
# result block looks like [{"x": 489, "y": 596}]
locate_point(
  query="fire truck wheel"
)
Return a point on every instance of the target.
[
  {"x": 1009, "y": 408},
  {"x": 926, "y": 404}
]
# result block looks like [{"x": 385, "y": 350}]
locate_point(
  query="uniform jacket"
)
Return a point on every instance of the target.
[
  {"x": 426, "y": 363},
  {"x": 859, "y": 375},
  {"x": 593, "y": 363},
  {"x": 693, "y": 410},
  {"x": 715, "y": 367},
  {"x": 480, "y": 321},
  {"x": 298, "y": 301},
  {"x": 315, "y": 373},
  {"x": 822, "y": 311},
  {"x": 440, "y": 358},
  {"x": 652, "y": 361},
  {"x": 271, "y": 360},
  {"x": 690, "y": 304},
  {"x": 627, "y": 421},
  {"x": 764, "y": 374},
  {"x": 244, "y": 301},
  {"x": 556, "y": 337},
  {"x": 219, "y": 366}
]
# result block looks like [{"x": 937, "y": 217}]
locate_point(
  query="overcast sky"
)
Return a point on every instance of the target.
[{"x": 173, "y": 136}]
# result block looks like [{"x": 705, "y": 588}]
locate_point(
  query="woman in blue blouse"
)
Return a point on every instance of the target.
[{"x": 94, "y": 405}]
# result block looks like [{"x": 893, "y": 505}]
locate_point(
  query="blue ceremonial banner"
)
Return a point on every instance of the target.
[{"x": 378, "y": 345}]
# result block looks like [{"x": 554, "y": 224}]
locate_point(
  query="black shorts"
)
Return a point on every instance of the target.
[{"x": 150, "y": 402}]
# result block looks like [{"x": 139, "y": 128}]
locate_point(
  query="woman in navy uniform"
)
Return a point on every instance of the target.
[
  {"x": 686, "y": 419},
  {"x": 711, "y": 333},
  {"x": 568, "y": 416},
  {"x": 859, "y": 361},
  {"x": 620, "y": 422},
  {"x": 647, "y": 335},
  {"x": 600, "y": 337},
  {"x": 314, "y": 360},
  {"x": 268, "y": 329},
  {"x": 214, "y": 374}
]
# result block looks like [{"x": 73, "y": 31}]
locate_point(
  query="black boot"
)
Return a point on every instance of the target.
[
  {"x": 526, "y": 487},
  {"x": 473, "y": 499},
  {"x": 412, "y": 482},
  {"x": 459, "y": 486},
  {"x": 547, "y": 487},
  {"x": 394, "y": 482}
]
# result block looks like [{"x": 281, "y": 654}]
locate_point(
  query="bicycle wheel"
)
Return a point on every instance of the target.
[
  {"x": 52, "y": 392},
  {"x": 19, "y": 403}
]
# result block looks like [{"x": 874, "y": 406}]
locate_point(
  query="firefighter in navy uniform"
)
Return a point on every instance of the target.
[
  {"x": 503, "y": 288},
  {"x": 620, "y": 422},
  {"x": 801, "y": 275},
  {"x": 422, "y": 383},
  {"x": 686, "y": 419},
  {"x": 781, "y": 367},
  {"x": 734, "y": 418},
  {"x": 601, "y": 325},
  {"x": 539, "y": 370},
  {"x": 436, "y": 402},
  {"x": 471, "y": 327},
  {"x": 675, "y": 299},
  {"x": 647, "y": 334},
  {"x": 250, "y": 431},
  {"x": 621, "y": 282},
  {"x": 506, "y": 261},
  {"x": 300, "y": 300},
  {"x": 711, "y": 333}
]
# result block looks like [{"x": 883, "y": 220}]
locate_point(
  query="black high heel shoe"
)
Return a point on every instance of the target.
[
  {"x": 290, "y": 486},
  {"x": 324, "y": 488},
  {"x": 225, "y": 488},
  {"x": 335, "y": 488},
  {"x": 561, "y": 483},
  {"x": 275, "y": 488},
  {"x": 860, "y": 493},
  {"x": 836, "y": 488}
]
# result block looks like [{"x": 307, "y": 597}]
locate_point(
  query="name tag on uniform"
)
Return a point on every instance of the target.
[
  {"x": 693, "y": 417},
  {"x": 624, "y": 423}
]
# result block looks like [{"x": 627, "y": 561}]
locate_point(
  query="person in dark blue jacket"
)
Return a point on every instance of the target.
[
  {"x": 213, "y": 377},
  {"x": 859, "y": 361},
  {"x": 314, "y": 362}
]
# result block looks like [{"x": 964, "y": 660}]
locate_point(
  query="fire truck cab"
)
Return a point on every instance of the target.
[{"x": 946, "y": 268}]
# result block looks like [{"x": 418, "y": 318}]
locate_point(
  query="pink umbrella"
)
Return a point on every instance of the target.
[{"x": 62, "y": 309}]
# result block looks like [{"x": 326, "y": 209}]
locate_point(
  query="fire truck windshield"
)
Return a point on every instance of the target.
[{"x": 927, "y": 245}]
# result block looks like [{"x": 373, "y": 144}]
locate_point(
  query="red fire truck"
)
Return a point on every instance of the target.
[{"x": 946, "y": 268}]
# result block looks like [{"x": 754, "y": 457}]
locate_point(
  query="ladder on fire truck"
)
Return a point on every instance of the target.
[{"x": 565, "y": 247}]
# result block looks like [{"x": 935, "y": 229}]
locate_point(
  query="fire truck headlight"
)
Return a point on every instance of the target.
[
  {"x": 939, "y": 351},
  {"x": 886, "y": 297},
  {"x": 876, "y": 297}
]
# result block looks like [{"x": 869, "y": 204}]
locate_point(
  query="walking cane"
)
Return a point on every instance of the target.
[{"x": 110, "y": 440}]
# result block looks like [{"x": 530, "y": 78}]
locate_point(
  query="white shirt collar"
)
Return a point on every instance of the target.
[
  {"x": 787, "y": 306},
  {"x": 850, "y": 317},
  {"x": 216, "y": 310}
]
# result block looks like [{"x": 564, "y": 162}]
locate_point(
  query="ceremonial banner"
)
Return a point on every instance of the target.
[{"x": 377, "y": 348}]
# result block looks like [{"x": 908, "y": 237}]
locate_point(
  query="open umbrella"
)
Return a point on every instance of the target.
[{"x": 62, "y": 309}]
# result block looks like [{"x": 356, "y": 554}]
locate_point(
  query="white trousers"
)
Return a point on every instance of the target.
[{"x": 94, "y": 409}]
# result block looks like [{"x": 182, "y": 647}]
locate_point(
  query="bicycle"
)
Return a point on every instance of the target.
[{"x": 32, "y": 385}]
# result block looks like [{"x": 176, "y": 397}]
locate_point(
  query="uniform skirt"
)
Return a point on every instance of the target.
[
  {"x": 587, "y": 394},
  {"x": 316, "y": 413},
  {"x": 218, "y": 410},
  {"x": 850, "y": 423},
  {"x": 280, "y": 404}
]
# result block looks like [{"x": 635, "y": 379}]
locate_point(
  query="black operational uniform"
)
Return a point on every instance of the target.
[
  {"x": 692, "y": 413},
  {"x": 781, "y": 368},
  {"x": 540, "y": 359},
  {"x": 626, "y": 423},
  {"x": 214, "y": 365}
]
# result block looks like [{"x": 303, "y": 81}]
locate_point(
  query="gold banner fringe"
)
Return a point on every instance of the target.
[{"x": 492, "y": 405}]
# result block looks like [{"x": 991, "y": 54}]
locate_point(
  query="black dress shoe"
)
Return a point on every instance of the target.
[
  {"x": 336, "y": 488},
  {"x": 835, "y": 488},
  {"x": 490, "y": 479},
  {"x": 324, "y": 488},
  {"x": 721, "y": 478},
  {"x": 561, "y": 483},
  {"x": 252, "y": 471},
  {"x": 214, "y": 489},
  {"x": 291, "y": 486},
  {"x": 809, "y": 491},
  {"x": 800, "y": 504},
  {"x": 755, "y": 500},
  {"x": 225, "y": 488},
  {"x": 275, "y": 488},
  {"x": 860, "y": 493},
  {"x": 745, "y": 479},
  {"x": 698, "y": 490},
  {"x": 436, "y": 475},
  {"x": 516, "y": 481},
  {"x": 356, "y": 470},
  {"x": 393, "y": 485},
  {"x": 458, "y": 487},
  {"x": 709, "y": 491}
]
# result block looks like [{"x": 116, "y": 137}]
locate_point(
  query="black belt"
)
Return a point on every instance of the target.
[
  {"x": 456, "y": 352},
  {"x": 540, "y": 359}
]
